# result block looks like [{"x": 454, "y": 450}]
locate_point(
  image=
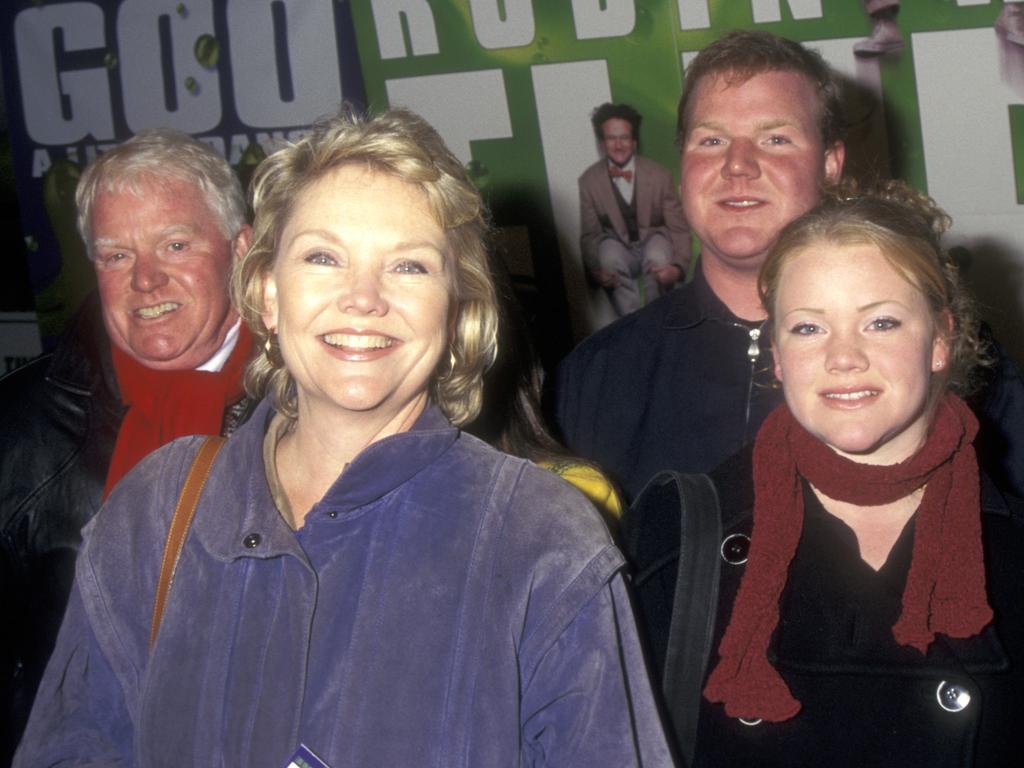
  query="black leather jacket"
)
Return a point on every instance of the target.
[{"x": 59, "y": 418}]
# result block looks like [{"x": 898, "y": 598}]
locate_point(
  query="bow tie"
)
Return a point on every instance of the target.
[{"x": 614, "y": 170}]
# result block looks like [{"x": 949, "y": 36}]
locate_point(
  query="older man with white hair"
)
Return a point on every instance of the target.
[{"x": 158, "y": 352}]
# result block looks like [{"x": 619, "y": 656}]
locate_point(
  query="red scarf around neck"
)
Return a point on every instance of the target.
[
  {"x": 941, "y": 595},
  {"x": 163, "y": 405}
]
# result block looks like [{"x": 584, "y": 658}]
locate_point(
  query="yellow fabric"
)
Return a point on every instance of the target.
[{"x": 594, "y": 485}]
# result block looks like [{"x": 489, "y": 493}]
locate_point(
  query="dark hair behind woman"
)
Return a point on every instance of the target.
[{"x": 511, "y": 418}]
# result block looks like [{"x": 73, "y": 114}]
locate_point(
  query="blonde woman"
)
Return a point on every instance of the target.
[
  {"x": 870, "y": 605},
  {"x": 362, "y": 581}
]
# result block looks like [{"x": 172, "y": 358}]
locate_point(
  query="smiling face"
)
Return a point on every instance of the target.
[
  {"x": 360, "y": 295},
  {"x": 163, "y": 266},
  {"x": 752, "y": 161},
  {"x": 618, "y": 140},
  {"x": 855, "y": 348}
]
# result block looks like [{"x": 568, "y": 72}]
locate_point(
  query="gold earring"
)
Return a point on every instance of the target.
[{"x": 272, "y": 349}]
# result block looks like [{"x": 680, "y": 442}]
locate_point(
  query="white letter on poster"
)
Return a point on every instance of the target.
[
  {"x": 969, "y": 177},
  {"x": 615, "y": 19},
  {"x": 693, "y": 14},
  {"x": 480, "y": 94},
  {"x": 310, "y": 63},
  {"x": 565, "y": 95},
  {"x": 43, "y": 86},
  {"x": 968, "y": 157},
  {"x": 766, "y": 11},
  {"x": 388, "y": 17},
  {"x": 196, "y": 89},
  {"x": 509, "y": 26}
]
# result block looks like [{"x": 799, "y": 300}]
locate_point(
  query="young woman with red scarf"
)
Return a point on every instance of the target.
[{"x": 870, "y": 603}]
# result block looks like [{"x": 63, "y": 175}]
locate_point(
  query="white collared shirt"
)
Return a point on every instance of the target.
[
  {"x": 625, "y": 187},
  {"x": 221, "y": 356}
]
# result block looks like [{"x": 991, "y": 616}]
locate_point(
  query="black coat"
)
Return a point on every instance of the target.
[
  {"x": 59, "y": 418},
  {"x": 865, "y": 700},
  {"x": 680, "y": 384}
]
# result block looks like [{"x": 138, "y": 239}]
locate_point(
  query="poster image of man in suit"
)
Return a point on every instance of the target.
[{"x": 634, "y": 239}]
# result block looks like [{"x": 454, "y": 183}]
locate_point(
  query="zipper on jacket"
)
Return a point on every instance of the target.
[{"x": 753, "y": 355}]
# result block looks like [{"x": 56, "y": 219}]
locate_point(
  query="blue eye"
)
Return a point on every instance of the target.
[
  {"x": 778, "y": 140},
  {"x": 112, "y": 260},
  {"x": 411, "y": 268},
  {"x": 321, "y": 258},
  {"x": 885, "y": 324}
]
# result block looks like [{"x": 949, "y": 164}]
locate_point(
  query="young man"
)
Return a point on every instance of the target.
[{"x": 686, "y": 381}]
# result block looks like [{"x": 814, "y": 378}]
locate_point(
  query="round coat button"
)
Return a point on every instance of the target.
[
  {"x": 252, "y": 541},
  {"x": 735, "y": 548},
  {"x": 332, "y": 514},
  {"x": 952, "y": 697}
]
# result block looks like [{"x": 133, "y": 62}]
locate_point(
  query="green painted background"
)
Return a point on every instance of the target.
[{"x": 644, "y": 71}]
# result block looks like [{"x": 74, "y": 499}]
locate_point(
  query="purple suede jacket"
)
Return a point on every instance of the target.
[{"x": 443, "y": 605}]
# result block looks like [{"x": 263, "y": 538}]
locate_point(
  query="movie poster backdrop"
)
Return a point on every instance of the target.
[
  {"x": 81, "y": 76},
  {"x": 510, "y": 84}
]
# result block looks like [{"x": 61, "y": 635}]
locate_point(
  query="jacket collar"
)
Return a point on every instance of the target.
[
  {"x": 387, "y": 464},
  {"x": 380, "y": 469},
  {"x": 81, "y": 362},
  {"x": 695, "y": 303}
]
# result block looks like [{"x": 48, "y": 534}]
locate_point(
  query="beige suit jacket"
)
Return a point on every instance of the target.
[{"x": 657, "y": 210}]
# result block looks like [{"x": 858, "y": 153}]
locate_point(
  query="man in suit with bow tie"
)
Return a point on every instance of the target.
[{"x": 634, "y": 239}]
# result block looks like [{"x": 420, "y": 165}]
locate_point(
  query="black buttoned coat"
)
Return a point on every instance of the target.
[{"x": 866, "y": 701}]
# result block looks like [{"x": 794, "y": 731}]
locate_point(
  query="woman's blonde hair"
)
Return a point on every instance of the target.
[
  {"x": 906, "y": 226},
  {"x": 403, "y": 145}
]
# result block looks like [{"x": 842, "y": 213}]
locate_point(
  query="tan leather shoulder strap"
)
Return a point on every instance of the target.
[{"x": 187, "y": 503}]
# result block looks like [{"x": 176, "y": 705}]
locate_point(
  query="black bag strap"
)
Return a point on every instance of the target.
[
  {"x": 695, "y": 605},
  {"x": 695, "y": 596}
]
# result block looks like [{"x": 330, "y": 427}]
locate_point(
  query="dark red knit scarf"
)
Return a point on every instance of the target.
[
  {"x": 163, "y": 405},
  {"x": 942, "y": 594}
]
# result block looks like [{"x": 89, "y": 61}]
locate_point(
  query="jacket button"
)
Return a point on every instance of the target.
[
  {"x": 735, "y": 548},
  {"x": 952, "y": 697},
  {"x": 332, "y": 514},
  {"x": 251, "y": 541}
]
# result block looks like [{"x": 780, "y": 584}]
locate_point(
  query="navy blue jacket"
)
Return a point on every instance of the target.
[{"x": 671, "y": 386}]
